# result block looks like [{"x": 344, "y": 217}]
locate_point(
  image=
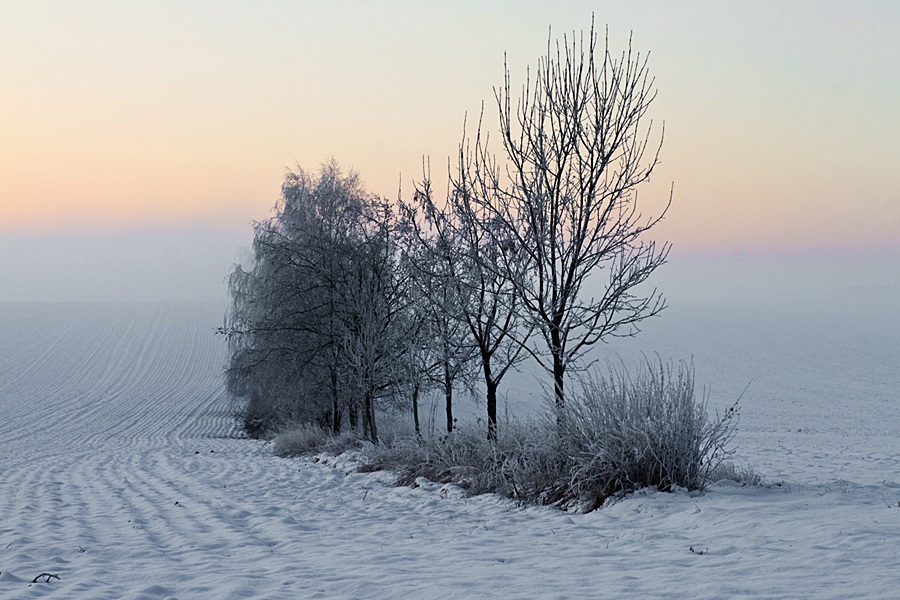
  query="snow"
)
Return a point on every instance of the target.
[{"x": 122, "y": 472}]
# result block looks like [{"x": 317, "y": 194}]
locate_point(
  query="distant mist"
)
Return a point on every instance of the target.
[
  {"x": 816, "y": 277},
  {"x": 171, "y": 265},
  {"x": 192, "y": 264}
]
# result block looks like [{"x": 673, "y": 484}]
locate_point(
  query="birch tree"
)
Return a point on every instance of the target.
[{"x": 314, "y": 327}]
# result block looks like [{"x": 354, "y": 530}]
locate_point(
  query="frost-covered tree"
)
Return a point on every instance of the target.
[
  {"x": 375, "y": 323},
  {"x": 444, "y": 351},
  {"x": 312, "y": 326}
]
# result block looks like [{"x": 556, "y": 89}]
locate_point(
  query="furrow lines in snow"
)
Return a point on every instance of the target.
[{"x": 123, "y": 471}]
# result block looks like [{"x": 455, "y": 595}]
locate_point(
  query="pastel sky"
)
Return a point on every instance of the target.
[{"x": 782, "y": 119}]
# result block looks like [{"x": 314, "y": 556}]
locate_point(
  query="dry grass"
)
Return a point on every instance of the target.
[
  {"x": 304, "y": 440},
  {"x": 620, "y": 433}
]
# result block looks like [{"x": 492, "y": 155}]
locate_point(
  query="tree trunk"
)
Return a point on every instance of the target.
[
  {"x": 365, "y": 419},
  {"x": 559, "y": 373},
  {"x": 353, "y": 414},
  {"x": 492, "y": 409},
  {"x": 369, "y": 419},
  {"x": 335, "y": 405},
  {"x": 415, "y": 407},
  {"x": 559, "y": 368},
  {"x": 491, "y": 386},
  {"x": 448, "y": 396}
]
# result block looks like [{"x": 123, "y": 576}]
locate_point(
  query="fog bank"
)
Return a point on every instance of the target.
[{"x": 177, "y": 265}]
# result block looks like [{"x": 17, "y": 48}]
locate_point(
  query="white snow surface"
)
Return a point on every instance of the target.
[{"x": 123, "y": 473}]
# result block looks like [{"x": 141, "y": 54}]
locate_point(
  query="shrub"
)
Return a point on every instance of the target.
[
  {"x": 619, "y": 434},
  {"x": 744, "y": 475},
  {"x": 521, "y": 463},
  {"x": 312, "y": 439},
  {"x": 626, "y": 432},
  {"x": 258, "y": 419}
]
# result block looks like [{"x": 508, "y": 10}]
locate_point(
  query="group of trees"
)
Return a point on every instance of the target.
[
  {"x": 353, "y": 303},
  {"x": 318, "y": 326}
]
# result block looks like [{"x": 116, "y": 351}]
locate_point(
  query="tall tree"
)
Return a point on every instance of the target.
[
  {"x": 563, "y": 200},
  {"x": 373, "y": 312}
]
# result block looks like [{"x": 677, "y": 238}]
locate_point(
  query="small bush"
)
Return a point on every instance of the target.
[
  {"x": 257, "y": 419},
  {"x": 312, "y": 439},
  {"x": 744, "y": 475},
  {"x": 626, "y": 432},
  {"x": 521, "y": 463}
]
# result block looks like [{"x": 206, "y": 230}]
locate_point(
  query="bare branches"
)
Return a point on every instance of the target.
[
  {"x": 576, "y": 146},
  {"x": 462, "y": 276},
  {"x": 347, "y": 303}
]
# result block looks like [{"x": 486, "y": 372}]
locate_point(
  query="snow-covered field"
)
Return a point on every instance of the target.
[{"x": 122, "y": 473}]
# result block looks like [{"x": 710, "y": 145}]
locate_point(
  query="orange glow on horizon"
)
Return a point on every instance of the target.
[{"x": 780, "y": 132}]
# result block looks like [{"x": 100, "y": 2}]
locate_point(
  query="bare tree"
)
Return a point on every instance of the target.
[
  {"x": 564, "y": 200},
  {"x": 466, "y": 283},
  {"x": 445, "y": 350},
  {"x": 419, "y": 364}
]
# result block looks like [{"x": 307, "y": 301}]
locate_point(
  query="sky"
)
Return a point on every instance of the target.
[{"x": 140, "y": 140}]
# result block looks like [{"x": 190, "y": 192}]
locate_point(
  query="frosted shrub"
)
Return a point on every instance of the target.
[
  {"x": 313, "y": 439},
  {"x": 743, "y": 474},
  {"x": 460, "y": 457},
  {"x": 257, "y": 418},
  {"x": 620, "y": 433},
  {"x": 625, "y": 432},
  {"x": 521, "y": 463},
  {"x": 263, "y": 416}
]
